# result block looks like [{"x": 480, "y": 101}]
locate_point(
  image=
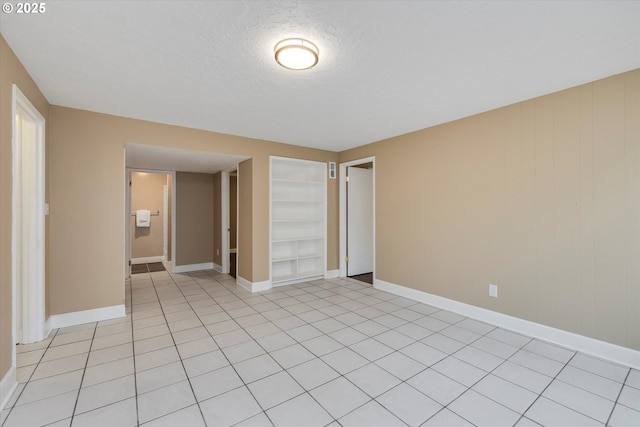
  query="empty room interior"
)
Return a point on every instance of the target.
[{"x": 317, "y": 213}]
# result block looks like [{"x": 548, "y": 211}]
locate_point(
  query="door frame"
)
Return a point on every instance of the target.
[
  {"x": 225, "y": 195},
  {"x": 343, "y": 213},
  {"x": 127, "y": 218},
  {"x": 32, "y": 238}
]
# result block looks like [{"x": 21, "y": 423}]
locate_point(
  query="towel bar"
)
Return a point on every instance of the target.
[{"x": 153, "y": 213}]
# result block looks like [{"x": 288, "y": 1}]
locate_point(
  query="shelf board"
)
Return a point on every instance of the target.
[
  {"x": 296, "y": 181},
  {"x": 310, "y": 256},
  {"x": 283, "y": 278},
  {"x": 296, "y": 201},
  {"x": 283, "y": 259},
  {"x": 296, "y": 239},
  {"x": 299, "y": 220}
]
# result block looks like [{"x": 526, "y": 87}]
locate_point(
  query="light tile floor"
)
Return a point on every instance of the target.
[{"x": 197, "y": 350}]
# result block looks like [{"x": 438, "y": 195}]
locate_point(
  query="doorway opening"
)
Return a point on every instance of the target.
[
  {"x": 149, "y": 243},
  {"x": 232, "y": 229},
  {"x": 28, "y": 228},
  {"x": 357, "y": 220},
  {"x": 187, "y": 250}
]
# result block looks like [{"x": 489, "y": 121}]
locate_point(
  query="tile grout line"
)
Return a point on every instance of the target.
[
  {"x": 545, "y": 389},
  {"x": 158, "y": 299},
  {"x": 133, "y": 347},
  {"x": 28, "y": 379},
  {"x": 84, "y": 370},
  {"x": 210, "y": 336},
  {"x": 282, "y": 368},
  {"x": 176, "y": 346},
  {"x": 209, "y": 284},
  {"x": 467, "y": 387},
  {"x": 613, "y": 408}
]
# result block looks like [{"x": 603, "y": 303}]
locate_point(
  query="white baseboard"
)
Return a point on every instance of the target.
[
  {"x": 217, "y": 268},
  {"x": 144, "y": 260},
  {"x": 8, "y": 384},
  {"x": 192, "y": 267},
  {"x": 87, "y": 316},
  {"x": 168, "y": 265},
  {"x": 332, "y": 274},
  {"x": 297, "y": 280},
  {"x": 253, "y": 286},
  {"x": 592, "y": 346}
]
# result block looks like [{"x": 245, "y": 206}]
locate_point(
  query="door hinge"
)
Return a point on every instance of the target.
[
  {"x": 346, "y": 179},
  {"x": 346, "y": 259},
  {"x": 129, "y": 263}
]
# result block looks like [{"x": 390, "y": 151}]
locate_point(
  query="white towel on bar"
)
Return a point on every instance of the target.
[{"x": 143, "y": 218}]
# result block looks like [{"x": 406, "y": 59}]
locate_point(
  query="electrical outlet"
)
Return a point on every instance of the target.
[{"x": 493, "y": 291}]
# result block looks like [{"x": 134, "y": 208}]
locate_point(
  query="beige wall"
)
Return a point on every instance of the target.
[
  {"x": 194, "y": 218},
  {"x": 87, "y": 173},
  {"x": 245, "y": 207},
  {"x": 541, "y": 198},
  {"x": 11, "y": 72},
  {"x": 217, "y": 218},
  {"x": 147, "y": 192}
]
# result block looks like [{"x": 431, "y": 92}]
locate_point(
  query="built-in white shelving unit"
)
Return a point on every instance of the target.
[{"x": 298, "y": 219}]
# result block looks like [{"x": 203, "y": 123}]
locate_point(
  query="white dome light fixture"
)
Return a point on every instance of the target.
[{"x": 296, "y": 54}]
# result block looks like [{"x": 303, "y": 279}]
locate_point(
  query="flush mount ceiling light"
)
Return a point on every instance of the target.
[{"x": 296, "y": 54}]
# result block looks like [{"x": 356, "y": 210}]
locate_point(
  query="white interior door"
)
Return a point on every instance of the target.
[{"x": 359, "y": 221}]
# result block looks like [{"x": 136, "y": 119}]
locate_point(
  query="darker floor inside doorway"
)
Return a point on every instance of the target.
[
  {"x": 366, "y": 278},
  {"x": 147, "y": 268},
  {"x": 232, "y": 265}
]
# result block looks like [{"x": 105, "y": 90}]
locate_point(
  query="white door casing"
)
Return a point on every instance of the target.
[{"x": 28, "y": 229}]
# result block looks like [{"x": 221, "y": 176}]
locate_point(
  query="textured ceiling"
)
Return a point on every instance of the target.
[{"x": 386, "y": 67}]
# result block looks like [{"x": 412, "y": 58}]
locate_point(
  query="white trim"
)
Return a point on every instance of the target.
[
  {"x": 192, "y": 267},
  {"x": 332, "y": 274},
  {"x": 343, "y": 213},
  {"x": 173, "y": 219},
  {"x": 253, "y": 286},
  {"x": 168, "y": 265},
  {"x": 87, "y": 316},
  {"x": 225, "y": 205},
  {"x": 601, "y": 349},
  {"x": 218, "y": 268},
  {"x": 8, "y": 385},
  {"x": 224, "y": 220},
  {"x": 144, "y": 260},
  {"x": 31, "y": 250},
  {"x": 127, "y": 217},
  {"x": 165, "y": 220},
  {"x": 298, "y": 280},
  {"x": 47, "y": 326},
  {"x": 241, "y": 281}
]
